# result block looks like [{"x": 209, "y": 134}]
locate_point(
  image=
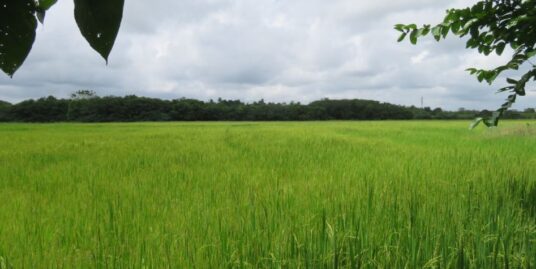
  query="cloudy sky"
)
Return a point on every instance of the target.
[{"x": 278, "y": 50}]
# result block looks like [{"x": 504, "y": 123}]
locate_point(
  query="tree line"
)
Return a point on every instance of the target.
[{"x": 85, "y": 106}]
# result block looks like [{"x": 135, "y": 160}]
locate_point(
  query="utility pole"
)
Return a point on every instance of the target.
[{"x": 422, "y": 102}]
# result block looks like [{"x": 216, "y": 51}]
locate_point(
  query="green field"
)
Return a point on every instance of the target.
[{"x": 267, "y": 195}]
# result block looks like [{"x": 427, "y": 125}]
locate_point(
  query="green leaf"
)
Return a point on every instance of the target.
[
  {"x": 469, "y": 24},
  {"x": 456, "y": 27},
  {"x": 450, "y": 16},
  {"x": 500, "y": 48},
  {"x": 413, "y": 36},
  {"x": 17, "y": 33},
  {"x": 411, "y": 26},
  {"x": 513, "y": 66},
  {"x": 487, "y": 50},
  {"x": 445, "y": 31},
  {"x": 424, "y": 31},
  {"x": 481, "y": 76},
  {"x": 494, "y": 121},
  {"x": 489, "y": 38},
  {"x": 471, "y": 43},
  {"x": 512, "y": 98},
  {"x": 511, "y": 81},
  {"x": 99, "y": 22},
  {"x": 472, "y": 71},
  {"x": 400, "y": 27},
  {"x": 436, "y": 32},
  {"x": 479, "y": 7},
  {"x": 46, "y": 4},
  {"x": 402, "y": 36},
  {"x": 509, "y": 88},
  {"x": 531, "y": 54},
  {"x": 491, "y": 76},
  {"x": 474, "y": 32}
]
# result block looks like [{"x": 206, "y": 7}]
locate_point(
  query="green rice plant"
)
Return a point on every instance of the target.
[{"x": 391, "y": 194}]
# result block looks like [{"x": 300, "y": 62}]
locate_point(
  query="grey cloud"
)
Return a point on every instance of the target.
[{"x": 298, "y": 50}]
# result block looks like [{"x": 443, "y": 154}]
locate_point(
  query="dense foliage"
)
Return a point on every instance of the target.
[
  {"x": 87, "y": 107},
  {"x": 4, "y": 108},
  {"x": 98, "y": 21},
  {"x": 491, "y": 26}
]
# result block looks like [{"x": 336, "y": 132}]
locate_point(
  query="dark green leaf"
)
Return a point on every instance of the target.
[
  {"x": 511, "y": 81},
  {"x": 513, "y": 66},
  {"x": 456, "y": 27},
  {"x": 500, "y": 48},
  {"x": 402, "y": 36},
  {"x": 99, "y": 22},
  {"x": 46, "y": 4},
  {"x": 475, "y": 33},
  {"x": 413, "y": 36},
  {"x": 479, "y": 7},
  {"x": 424, "y": 31},
  {"x": 487, "y": 50},
  {"x": 520, "y": 58},
  {"x": 520, "y": 89},
  {"x": 480, "y": 77},
  {"x": 450, "y": 17},
  {"x": 509, "y": 88},
  {"x": 494, "y": 121},
  {"x": 491, "y": 76},
  {"x": 488, "y": 39},
  {"x": 472, "y": 43},
  {"x": 445, "y": 31},
  {"x": 514, "y": 45},
  {"x": 17, "y": 33}
]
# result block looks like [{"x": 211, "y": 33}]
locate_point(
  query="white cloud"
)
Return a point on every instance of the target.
[
  {"x": 298, "y": 50},
  {"x": 420, "y": 57}
]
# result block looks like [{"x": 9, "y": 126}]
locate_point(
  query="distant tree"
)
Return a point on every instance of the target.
[
  {"x": 485, "y": 113},
  {"x": 4, "y": 110},
  {"x": 513, "y": 114},
  {"x": 491, "y": 26},
  {"x": 133, "y": 108},
  {"x": 83, "y": 94},
  {"x": 98, "y": 21},
  {"x": 46, "y": 109},
  {"x": 530, "y": 110},
  {"x": 187, "y": 110},
  {"x": 4, "y": 103}
]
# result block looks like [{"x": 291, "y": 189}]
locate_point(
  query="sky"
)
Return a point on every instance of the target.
[{"x": 276, "y": 50}]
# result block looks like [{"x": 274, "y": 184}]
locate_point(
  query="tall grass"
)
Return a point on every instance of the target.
[{"x": 267, "y": 195}]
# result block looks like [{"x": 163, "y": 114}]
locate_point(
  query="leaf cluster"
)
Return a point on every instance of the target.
[
  {"x": 490, "y": 26},
  {"x": 98, "y": 21}
]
